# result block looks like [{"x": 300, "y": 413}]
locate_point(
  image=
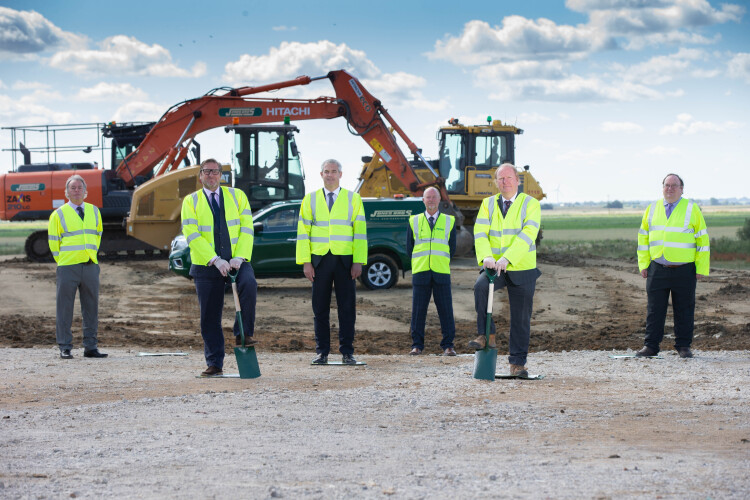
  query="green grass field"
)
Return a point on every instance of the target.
[
  {"x": 595, "y": 234},
  {"x": 614, "y": 236}
]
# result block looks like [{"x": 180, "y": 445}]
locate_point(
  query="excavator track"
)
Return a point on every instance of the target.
[{"x": 115, "y": 245}]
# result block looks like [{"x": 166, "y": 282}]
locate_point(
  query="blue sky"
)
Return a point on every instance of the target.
[{"x": 612, "y": 94}]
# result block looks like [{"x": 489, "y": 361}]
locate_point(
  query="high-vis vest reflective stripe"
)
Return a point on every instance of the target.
[
  {"x": 342, "y": 231},
  {"x": 72, "y": 240},
  {"x": 198, "y": 225},
  {"x": 682, "y": 238},
  {"x": 512, "y": 236},
  {"x": 431, "y": 249}
]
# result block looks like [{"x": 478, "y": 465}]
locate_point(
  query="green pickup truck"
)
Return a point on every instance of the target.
[{"x": 274, "y": 246}]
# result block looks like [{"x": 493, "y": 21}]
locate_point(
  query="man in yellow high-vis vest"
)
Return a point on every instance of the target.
[
  {"x": 332, "y": 247},
  {"x": 431, "y": 242},
  {"x": 74, "y": 234},
  {"x": 673, "y": 250},
  {"x": 505, "y": 241},
  {"x": 218, "y": 224}
]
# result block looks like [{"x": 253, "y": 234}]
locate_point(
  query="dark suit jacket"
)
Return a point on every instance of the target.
[{"x": 427, "y": 277}]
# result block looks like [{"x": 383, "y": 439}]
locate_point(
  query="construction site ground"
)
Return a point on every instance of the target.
[{"x": 402, "y": 426}]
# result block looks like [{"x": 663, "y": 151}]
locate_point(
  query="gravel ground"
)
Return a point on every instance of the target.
[{"x": 405, "y": 427}]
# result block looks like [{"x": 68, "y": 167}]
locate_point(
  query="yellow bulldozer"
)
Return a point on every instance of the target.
[{"x": 467, "y": 159}]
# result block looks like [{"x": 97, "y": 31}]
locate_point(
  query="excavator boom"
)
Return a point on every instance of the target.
[{"x": 364, "y": 114}]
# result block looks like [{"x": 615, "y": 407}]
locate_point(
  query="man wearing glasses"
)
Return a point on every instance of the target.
[
  {"x": 218, "y": 225},
  {"x": 673, "y": 249}
]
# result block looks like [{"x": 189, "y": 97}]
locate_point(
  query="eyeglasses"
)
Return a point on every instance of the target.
[
  {"x": 672, "y": 186},
  {"x": 211, "y": 171}
]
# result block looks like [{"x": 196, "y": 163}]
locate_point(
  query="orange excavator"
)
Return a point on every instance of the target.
[
  {"x": 156, "y": 186},
  {"x": 155, "y": 210}
]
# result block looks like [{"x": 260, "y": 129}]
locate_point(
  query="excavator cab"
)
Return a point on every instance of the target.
[{"x": 266, "y": 163}]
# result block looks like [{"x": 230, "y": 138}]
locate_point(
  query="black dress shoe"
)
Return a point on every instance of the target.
[
  {"x": 684, "y": 352},
  {"x": 65, "y": 354},
  {"x": 348, "y": 359},
  {"x": 645, "y": 352},
  {"x": 248, "y": 340},
  {"x": 320, "y": 359},
  {"x": 94, "y": 353},
  {"x": 212, "y": 371}
]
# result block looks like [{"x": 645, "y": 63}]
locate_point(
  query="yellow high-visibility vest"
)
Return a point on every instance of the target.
[
  {"x": 72, "y": 240},
  {"x": 512, "y": 236},
  {"x": 682, "y": 238},
  {"x": 431, "y": 249},
  {"x": 198, "y": 225},
  {"x": 342, "y": 231}
]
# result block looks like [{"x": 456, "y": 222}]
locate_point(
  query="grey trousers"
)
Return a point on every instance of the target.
[{"x": 83, "y": 278}]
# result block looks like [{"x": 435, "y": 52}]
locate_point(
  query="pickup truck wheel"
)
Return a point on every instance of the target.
[{"x": 381, "y": 272}]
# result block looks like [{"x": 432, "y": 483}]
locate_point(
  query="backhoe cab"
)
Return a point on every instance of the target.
[{"x": 467, "y": 159}]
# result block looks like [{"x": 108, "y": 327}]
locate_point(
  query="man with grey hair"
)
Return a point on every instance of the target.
[
  {"x": 332, "y": 247},
  {"x": 75, "y": 233},
  {"x": 431, "y": 242}
]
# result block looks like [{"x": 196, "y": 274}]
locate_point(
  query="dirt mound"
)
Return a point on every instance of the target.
[{"x": 580, "y": 304}]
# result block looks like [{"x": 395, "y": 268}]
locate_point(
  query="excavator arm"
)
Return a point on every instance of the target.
[{"x": 167, "y": 142}]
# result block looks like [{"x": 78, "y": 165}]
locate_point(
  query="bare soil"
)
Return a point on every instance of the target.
[{"x": 580, "y": 304}]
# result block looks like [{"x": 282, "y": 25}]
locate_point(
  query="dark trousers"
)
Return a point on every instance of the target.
[
  {"x": 210, "y": 285},
  {"x": 521, "y": 286},
  {"x": 680, "y": 282},
  {"x": 420, "y": 300},
  {"x": 332, "y": 272}
]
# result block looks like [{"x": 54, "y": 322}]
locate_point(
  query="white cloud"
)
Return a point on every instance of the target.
[
  {"x": 522, "y": 70},
  {"x": 104, "y": 91},
  {"x": 517, "y": 39},
  {"x": 587, "y": 156},
  {"x": 662, "y": 69},
  {"x": 292, "y": 59},
  {"x": 284, "y": 28},
  {"x": 530, "y": 118},
  {"x": 23, "y": 85},
  {"x": 572, "y": 89},
  {"x": 686, "y": 125},
  {"x": 739, "y": 66},
  {"x": 124, "y": 55},
  {"x": 625, "y": 127},
  {"x": 28, "y": 111},
  {"x": 402, "y": 89},
  {"x": 28, "y": 32},
  {"x": 662, "y": 151},
  {"x": 139, "y": 111},
  {"x": 661, "y": 17}
]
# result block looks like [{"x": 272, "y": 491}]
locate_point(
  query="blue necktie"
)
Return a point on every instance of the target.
[
  {"x": 330, "y": 201},
  {"x": 215, "y": 204},
  {"x": 507, "y": 206},
  {"x": 670, "y": 207},
  {"x": 80, "y": 212},
  {"x": 432, "y": 222}
]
